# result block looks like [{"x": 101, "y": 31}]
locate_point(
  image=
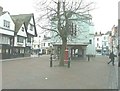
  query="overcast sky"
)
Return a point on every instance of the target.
[{"x": 104, "y": 16}]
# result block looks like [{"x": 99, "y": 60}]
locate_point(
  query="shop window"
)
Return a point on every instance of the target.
[
  {"x": 10, "y": 51},
  {"x": 21, "y": 50},
  {"x": 7, "y": 51},
  {"x": 3, "y": 50}
]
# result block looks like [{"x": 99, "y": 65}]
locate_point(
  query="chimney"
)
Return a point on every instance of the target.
[
  {"x": 6, "y": 12},
  {"x": 1, "y": 10}
]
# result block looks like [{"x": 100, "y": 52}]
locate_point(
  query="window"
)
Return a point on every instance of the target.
[
  {"x": 3, "y": 50},
  {"x": 29, "y": 38},
  {"x": 31, "y": 27},
  {"x": 104, "y": 43},
  {"x": 44, "y": 44},
  {"x": 10, "y": 51},
  {"x": 11, "y": 41},
  {"x": 7, "y": 50},
  {"x": 16, "y": 51},
  {"x": 6, "y": 24},
  {"x": 90, "y": 41},
  {"x": 97, "y": 45},
  {"x": 38, "y": 46},
  {"x": 5, "y": 40},
  {"x": 97, "y": 39},
  {"x": 20, "y": 39},
  {"x": 21, "y": 50},
  {"x": 23, "y": 29},
  {"x": 48, "y": 44},
  {"x": 104, "y": 38},
  {"x": 73, "y": 30}
]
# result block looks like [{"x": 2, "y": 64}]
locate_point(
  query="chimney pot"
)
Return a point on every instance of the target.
[{"x": 1, "y": 10}]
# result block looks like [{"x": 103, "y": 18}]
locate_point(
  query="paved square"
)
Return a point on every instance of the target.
[{"x": 36, "y": 73}]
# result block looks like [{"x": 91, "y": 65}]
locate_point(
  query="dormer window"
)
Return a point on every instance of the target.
[
  {"x": 6, "y": 24},
  {"x": 31, "y": 27}
]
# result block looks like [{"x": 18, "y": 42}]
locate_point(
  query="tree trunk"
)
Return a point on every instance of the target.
[{"x": 62, "y": 55}]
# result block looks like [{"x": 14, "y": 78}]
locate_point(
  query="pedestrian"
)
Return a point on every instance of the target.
[
  {"x": 112, "y": 58},
  {"x": 119, "y": 59}
]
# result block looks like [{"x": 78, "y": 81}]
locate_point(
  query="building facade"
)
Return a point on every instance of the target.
[
  {"x": 25, "y": 31},
  {"x": 41, "y": 44},
  {"x": 6, "y": 34},
  {"x": 91, "y": 47},
  {"x": 114, "y": 39},
  {"x": 102, "y": 44},
  {"x": 98, "y": 42},
  {"x": 16, "y": 34},
  {"x": 79, "y": 40}
]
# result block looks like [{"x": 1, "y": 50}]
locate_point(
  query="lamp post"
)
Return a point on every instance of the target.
[
  {"x": 118, "y": 55},
  {"x": 119, "y": 44},
  {"x": 39, "y": 43}
]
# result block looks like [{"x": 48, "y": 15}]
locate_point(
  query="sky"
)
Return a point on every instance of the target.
[{"x": 104, "y": 16}]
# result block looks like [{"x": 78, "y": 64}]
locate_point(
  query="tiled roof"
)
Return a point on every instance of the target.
[
  {"x": 2, "y": 13},
  {"x": 21, "y": 19},
  {"x": 108, "y": 32}
]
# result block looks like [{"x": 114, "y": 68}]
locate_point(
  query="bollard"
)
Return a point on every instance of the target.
[
  {"x": 50, "y": 60},
  {"x": 69, "y": 63},
  {"x": 88, "y": 57}
]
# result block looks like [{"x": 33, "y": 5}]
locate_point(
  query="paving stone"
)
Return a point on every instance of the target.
[{"x": 36, "y": 73}]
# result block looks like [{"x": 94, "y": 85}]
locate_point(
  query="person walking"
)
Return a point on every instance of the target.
[
  {"x": 119, "y": 59},
  {"x": 112, "y": 58}
]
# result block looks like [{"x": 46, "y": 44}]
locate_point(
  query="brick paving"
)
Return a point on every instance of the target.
[{"x": 36, "y": 73}]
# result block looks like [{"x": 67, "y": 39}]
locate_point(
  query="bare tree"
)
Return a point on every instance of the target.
[{"x": 59, "y": 19}]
